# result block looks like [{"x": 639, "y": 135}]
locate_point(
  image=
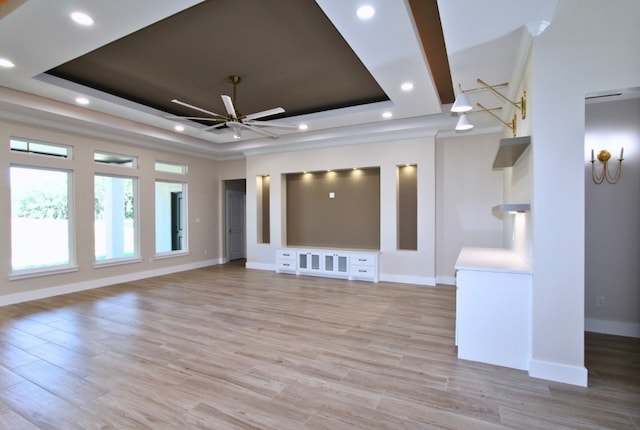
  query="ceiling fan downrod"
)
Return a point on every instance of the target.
[{"x": 235, "y": 80}]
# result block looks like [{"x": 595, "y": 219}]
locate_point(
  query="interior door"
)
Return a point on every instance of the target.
[
  {"x": 235, "y": 225},
  {"x": 176, "y": 220}
]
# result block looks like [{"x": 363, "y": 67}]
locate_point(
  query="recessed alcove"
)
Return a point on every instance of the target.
[{"x": 334, "y": 208}]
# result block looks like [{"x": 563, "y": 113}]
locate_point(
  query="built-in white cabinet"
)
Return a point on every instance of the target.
[
  {"x": 310, "y": 262},
  {"x": 352, "y": 265},
  {"x": 286, "y": 261},
  {"x": 336, "y": 263},
  {"x": 364, "y": 266},
  {"x": 493, "y": 307}
]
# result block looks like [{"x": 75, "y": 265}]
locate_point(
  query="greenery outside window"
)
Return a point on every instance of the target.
[{"x": 41, "y": 227}]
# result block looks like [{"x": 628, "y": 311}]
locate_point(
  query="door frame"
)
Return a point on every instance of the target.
[{"x": 228, "y": 194}]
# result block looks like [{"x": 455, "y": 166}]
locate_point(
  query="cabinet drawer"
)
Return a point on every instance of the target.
[
  {"x": 363, "y": 272},
  {"x": 363, "y": 259},
  {"x": 285, "y": 254},
  {"x": 286, "y": 265}
]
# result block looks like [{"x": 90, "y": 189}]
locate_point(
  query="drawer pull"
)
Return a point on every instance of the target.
[{"x": 362, "y": 271}]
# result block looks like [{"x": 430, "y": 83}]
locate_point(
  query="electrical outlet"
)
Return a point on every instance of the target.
[{"x": 600, "y": 301}]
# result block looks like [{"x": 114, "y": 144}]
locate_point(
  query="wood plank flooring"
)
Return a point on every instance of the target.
[{"x": 229, "y": 348}]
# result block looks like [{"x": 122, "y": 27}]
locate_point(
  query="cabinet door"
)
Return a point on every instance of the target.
[
  {"x": 303, "y": 260},
  {"x": 309, "y": 262},
  {"x": 336, "y": 264}
]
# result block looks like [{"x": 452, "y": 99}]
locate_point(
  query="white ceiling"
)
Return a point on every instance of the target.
[{"x": 487, "y": 40}]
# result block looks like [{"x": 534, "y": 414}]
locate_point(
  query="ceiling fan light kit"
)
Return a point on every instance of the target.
[{"x": 234, "y": 119}]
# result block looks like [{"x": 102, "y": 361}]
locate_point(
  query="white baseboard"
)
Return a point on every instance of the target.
[
  {"x": 43, "y": 293},
  {"x": 406, "y": 279},
  {"x": 401, "y": 279},
  {"x": 618, "y": 328},
  {"x": 260, "y": 266},
  {"x": 575, "y": 375},
  {"x": 446, "y": 280}
]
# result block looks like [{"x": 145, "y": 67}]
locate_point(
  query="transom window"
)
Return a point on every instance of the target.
[
  {"x": 40, "y": 148},
  {"x": 163, "y": 166},
  {"x": 115, "y": 159}
]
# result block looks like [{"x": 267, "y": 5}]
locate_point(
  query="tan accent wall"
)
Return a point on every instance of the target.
[
  {"x": 266, "y": 219},
  {"x": 408, "y": 207},
  {"x": 349, "y": 219}
]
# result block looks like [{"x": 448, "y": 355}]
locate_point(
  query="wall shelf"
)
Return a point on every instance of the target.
[
  {"x": 510, "y": 150},
  {"x": 511, "y": 207}
]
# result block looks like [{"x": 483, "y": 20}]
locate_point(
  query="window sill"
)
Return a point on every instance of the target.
[
  {"x": 45, "y": 271},
  {"x": 116, "y": 262},
  {"x": 172, "y": 254}
]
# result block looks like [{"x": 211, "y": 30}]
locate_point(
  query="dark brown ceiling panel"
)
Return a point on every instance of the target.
[
  {"x": 427, "y": 18},
  {"x": 287, "y": 53}
]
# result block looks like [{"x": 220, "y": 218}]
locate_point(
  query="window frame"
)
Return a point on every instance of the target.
[
  {"x": 68, "y": 148},
  {"x": 136, "y": 257},
  {"x": 46, "y": 270},
  {"x": 185, "y": 221}
]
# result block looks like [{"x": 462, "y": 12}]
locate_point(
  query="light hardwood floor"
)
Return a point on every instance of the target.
[{"x": 229, "y": 348}]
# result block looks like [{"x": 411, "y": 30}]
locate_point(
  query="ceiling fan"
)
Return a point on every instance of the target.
[{"x": 233, "y": 119}]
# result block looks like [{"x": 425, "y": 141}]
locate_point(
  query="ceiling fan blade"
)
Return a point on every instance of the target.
[
  {"x": 271, "y": 124},
  {"x": 213, "y": 127},
  {"x": 195, "y": 118},
  {"x": 264, "y": 113},
  {"x": 258, "y": 130},
  {"x": 228, "y": 105},
  {"x": 196, "y": 108}
]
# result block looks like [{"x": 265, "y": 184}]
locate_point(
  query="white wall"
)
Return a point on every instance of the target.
[
  {"x": 400, "y": 266},
  {"x": 466, "y": 190},
  {"x": 612, "y": 237},
  {"x": 590, "y": 46},
  {"x": 203, "y": 197}
]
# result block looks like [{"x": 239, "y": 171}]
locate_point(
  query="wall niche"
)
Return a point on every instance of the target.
[{"x": 334, "y": 209}]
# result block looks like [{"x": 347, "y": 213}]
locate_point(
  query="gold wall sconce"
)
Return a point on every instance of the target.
[
  {"x": 513, "y": 125},
  {"x": 462, "y": 105},
  {"x": 603, "y": 157}
]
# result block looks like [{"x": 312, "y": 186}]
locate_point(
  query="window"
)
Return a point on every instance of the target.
[
  {"x": 115, "y": 218},
  {"x": 171, "y": 217},
  {"x": 162, "y": 166},
  {"x": 115, "y": 159},
  {"x": 40, "y": 218},
  {"x": 50, "y": 149}
]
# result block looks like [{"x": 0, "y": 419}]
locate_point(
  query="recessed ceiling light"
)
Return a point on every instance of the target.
[
  {"x": 178, "y": 127},
  {"x": 82, "y": 100},
  {"x": 7, "y": 64},
  {"x": 407, "y": 86},
  {"x": 387, "y": 115},
  {"x": 365, "y": 12},
  {"x": 82, "y": 18},
  {"x": 303, "y": 127}
]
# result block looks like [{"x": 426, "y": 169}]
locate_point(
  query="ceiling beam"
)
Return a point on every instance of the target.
[{"x": 427, "y": 19}]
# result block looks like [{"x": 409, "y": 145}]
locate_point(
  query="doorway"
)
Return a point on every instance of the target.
[
  {"x": 176, "y": 220},
  {"x": 235, "y": 202},
  {"x": 612, "y": 209}
]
